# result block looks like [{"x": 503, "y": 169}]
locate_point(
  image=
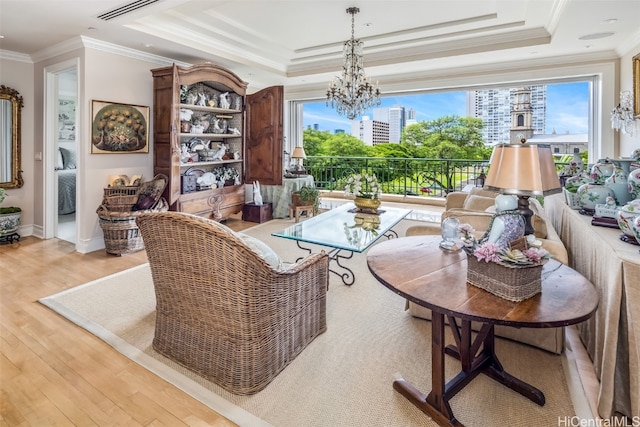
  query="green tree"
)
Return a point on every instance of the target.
[
  {"x": 392, "y": 150},
  {"x": 313, "y": 141},
  {"x": 448, "y": 137}
]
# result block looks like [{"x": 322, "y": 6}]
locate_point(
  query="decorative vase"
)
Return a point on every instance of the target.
[
  {"x": 9, "y": 222},
  {"x": 590, "y": 195},
  {"x": 364, "y": 203},
  {"x": 618, "y": 183},
  {"x": 633, "y": 184},
  {"x": 601, "y": 171},
  {"x": 626, "y": 216}
]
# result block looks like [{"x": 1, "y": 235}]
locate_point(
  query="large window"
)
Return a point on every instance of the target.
[{"x": 560, "y": 112}]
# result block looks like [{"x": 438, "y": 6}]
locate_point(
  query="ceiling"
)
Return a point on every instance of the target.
[{"x": 298, "y": 43}]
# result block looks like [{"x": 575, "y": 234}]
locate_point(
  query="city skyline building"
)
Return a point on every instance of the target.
[
  {"x": 493, "y": 106},
  {"x": 371, "y": 132}
]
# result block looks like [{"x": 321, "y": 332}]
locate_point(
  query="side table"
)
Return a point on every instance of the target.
[{"x": 441, "y": 285}]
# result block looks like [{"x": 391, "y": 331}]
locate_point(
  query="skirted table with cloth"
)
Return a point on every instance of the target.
[
  {"x": 280, "y": 195},
  {"x": 612, "y": 335}
]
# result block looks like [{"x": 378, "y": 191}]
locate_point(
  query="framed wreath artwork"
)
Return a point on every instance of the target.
[{"x": 119, "y": 128}]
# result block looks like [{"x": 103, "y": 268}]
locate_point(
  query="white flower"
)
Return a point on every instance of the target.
[{"x": 366, "y": 186}]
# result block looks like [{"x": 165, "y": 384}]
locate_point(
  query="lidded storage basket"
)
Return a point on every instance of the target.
[{"x": 511, "y": 282}]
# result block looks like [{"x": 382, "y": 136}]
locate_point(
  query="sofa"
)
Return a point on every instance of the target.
[{"x": 476, "y": 208}]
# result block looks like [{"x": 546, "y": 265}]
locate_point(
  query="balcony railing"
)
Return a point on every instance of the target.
[{"x": 405, "y": 176}]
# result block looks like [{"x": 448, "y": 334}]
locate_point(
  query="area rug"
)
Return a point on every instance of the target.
[{"x": 344, "y": 377}]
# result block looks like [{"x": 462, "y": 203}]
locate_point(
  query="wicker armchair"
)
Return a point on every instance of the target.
[{"x": 221, "y": 310}]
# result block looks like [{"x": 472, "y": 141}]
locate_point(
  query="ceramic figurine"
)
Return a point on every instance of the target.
[
  {"x": 220, "y": 152},
  {"x": 224, "y": 100},
  {"x": 202, "y": 100},
  {"x": 257, "y": 197}
]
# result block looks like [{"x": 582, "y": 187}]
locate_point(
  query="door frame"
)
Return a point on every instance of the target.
[{"x": 50, "y": 121}]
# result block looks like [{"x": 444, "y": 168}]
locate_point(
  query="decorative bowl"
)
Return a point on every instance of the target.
[
  {"x": 590, "y": 195},
  {"x": 367, "y": 204},
  {"x": 626, "y": 215}
]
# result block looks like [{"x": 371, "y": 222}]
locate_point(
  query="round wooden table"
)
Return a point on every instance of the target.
[{"x": 417, "y": 269}]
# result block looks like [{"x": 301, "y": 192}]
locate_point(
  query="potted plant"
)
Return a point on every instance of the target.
[
  {"x": 9, "y": 217},
  {"x": 366, "y": 190},
  {"x": 307, "y": 196}
]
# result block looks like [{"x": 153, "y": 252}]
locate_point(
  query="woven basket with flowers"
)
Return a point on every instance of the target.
[{"x": 513, "y": 273}]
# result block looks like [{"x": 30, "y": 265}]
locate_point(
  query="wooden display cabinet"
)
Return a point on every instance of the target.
[{"x": 191, "y": 125}]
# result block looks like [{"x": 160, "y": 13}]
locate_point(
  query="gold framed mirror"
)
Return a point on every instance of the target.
[
  {"x": 636, "y": 85},
  {"x": 10, "y": 117}
]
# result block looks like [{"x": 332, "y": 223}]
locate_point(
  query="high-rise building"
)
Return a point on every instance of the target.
[
  {"x": 371, "y": 132},
  {"x": 493, "y": 106},
  {"x": 395, "y": 116}
]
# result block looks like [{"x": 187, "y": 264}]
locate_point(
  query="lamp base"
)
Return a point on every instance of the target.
[{"x": 527, "y": 213}]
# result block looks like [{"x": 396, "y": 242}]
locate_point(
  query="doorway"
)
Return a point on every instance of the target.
[{"x": 61, "y": 151}]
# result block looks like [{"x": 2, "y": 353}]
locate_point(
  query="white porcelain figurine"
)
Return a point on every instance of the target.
[{"x": 257, "y": 197}]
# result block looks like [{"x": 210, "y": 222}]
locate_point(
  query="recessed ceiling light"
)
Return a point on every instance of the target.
[
  {"x": 596, "y": 36},
  {"x": 610, "y": 21},
  {"x": 147, "y": 45},
  {"x": 91, "y": 28},
  {"x": 368, "y": 24}
]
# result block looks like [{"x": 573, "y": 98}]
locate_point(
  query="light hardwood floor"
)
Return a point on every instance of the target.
[{"x": 55, "y": 373}]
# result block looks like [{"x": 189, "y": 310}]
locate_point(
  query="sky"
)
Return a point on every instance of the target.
[{"x": 567, "y": 108}]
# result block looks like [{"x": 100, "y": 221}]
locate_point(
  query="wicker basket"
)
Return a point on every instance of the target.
[
  {"x": 120, "y": 202},
  {"x": 513, "y": 283},
  {"x": 120, "y": 191},
  {"x": 121, "y": 233}
]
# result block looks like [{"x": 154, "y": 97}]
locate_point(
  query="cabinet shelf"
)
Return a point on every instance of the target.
[
  {"x": 209, "y": 109},
  {"x": 214, "y": 136},
  {"x": 215, "y": 162}
]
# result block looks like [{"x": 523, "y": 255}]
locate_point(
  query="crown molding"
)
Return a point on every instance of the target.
[
  {"x": 15, "y": 56},
  {"x": 82, "y": 42}
]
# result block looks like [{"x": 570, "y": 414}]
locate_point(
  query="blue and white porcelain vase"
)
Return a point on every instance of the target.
[{"x": 618, "y": 183}]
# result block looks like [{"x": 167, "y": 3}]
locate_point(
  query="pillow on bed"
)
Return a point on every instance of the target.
[
  {"x": 68, "y": 158},
  {"x": 59, "y": 161}
]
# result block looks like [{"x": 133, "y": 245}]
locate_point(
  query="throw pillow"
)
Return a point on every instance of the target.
[
  {"x": 69, "y": 158},
  {"x": 261, "y": 249},
  {"x": 478, "y": 203},
  {"x": 60, "y": 161}
]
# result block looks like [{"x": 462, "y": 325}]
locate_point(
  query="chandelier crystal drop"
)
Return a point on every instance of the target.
[
  {"x": 352, "y": 93},
  {"x": 622, "y": 118}
]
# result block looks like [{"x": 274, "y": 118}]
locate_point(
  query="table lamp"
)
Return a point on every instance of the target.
[
  {"x": 523, "y": 170},
  {"x": 299, "y": 154}
]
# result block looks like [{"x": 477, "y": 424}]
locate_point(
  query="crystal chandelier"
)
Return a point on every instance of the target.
[
  {"x": 352, "y": 93},
  {"x": 622, "y": 116}
]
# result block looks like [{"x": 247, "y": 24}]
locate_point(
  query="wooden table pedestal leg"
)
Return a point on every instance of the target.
[{"x": 475, "y": 355}]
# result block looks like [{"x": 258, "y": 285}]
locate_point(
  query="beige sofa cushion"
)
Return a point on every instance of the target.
[{"x": 478, "y": 203}]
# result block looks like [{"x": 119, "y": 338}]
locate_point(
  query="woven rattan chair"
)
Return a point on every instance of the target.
[{"x": 221, "y": 310}]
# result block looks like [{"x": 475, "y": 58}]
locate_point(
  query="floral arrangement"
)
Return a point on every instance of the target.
[
  {"x": 490, "y": 252},
  {"x": 224, "y": 173},
  {"x": 363, "y": 185}
]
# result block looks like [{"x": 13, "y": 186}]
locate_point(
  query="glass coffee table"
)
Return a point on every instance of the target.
[{"x": 345, "y": 230}]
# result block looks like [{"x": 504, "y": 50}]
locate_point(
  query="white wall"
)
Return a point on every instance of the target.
[
  {"x": 17, "y": 73},
  {"x": 628, "y": 143},
  {"x": 105, "y": 76}
]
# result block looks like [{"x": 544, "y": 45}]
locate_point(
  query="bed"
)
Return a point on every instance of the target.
[{"x": 66, "y": 171}]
